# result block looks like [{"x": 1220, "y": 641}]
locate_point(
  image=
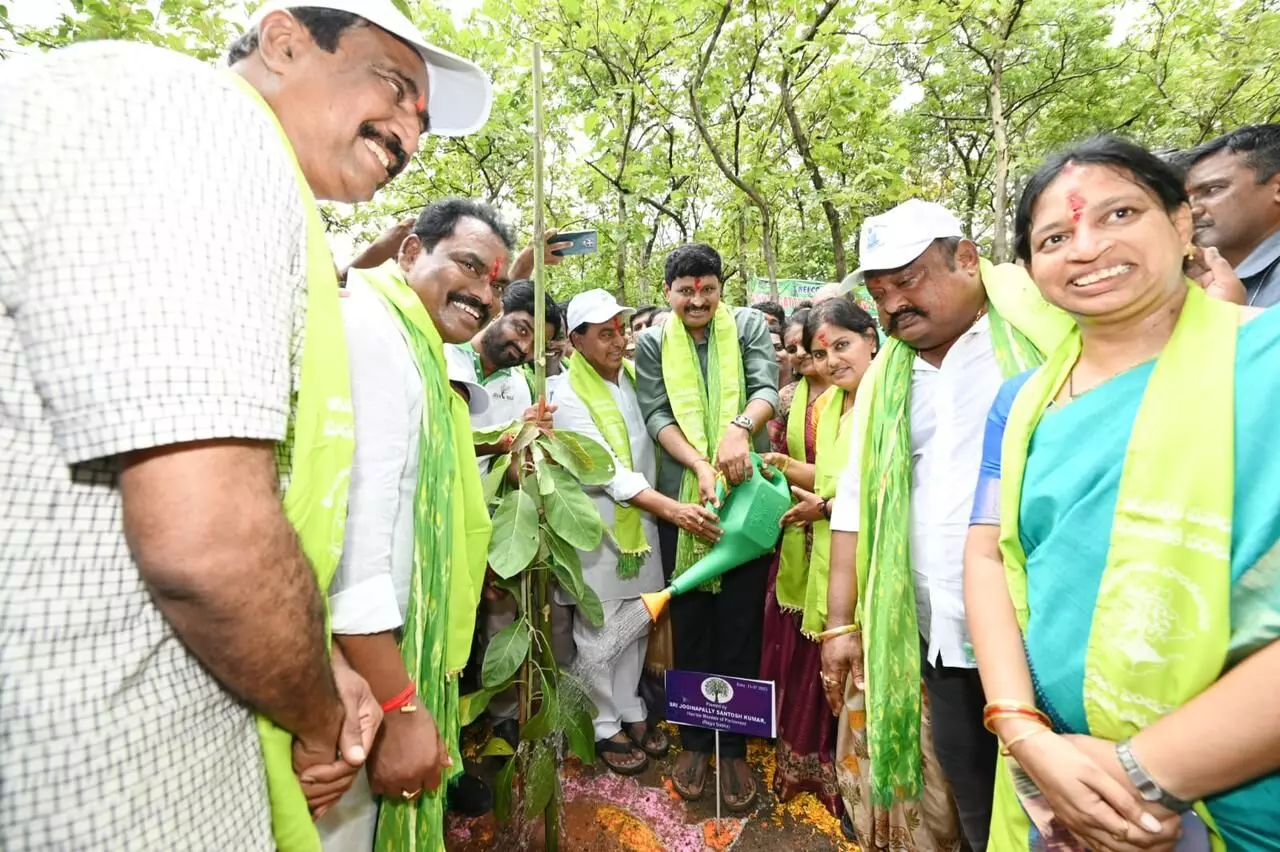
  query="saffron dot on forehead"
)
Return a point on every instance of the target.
[{"x": 421, "y": 102}]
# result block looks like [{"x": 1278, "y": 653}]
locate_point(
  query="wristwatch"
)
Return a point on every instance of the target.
[
  {"x": 1147, "y": 786},
  {"x": 745, "y": 422}
]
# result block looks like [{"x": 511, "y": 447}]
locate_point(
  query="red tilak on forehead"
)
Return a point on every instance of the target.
[
  {"x": 1076, "y": 202},
  {"x": 822, "y": 338},
  {"x": 495, "y": 272},
  {"x": 421, "y": 102},
  {"x": 697, "y": 284},
  {"x": 617, "y": 325}
]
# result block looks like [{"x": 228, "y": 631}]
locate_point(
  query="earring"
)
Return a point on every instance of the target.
[{"x": 1191, "y": 251}]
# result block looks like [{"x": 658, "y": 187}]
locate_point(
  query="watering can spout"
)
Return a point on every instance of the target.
[{"x": 656, "y": 602}]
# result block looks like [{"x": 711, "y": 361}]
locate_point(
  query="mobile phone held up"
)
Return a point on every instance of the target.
[{"x": 582, "y": 242}]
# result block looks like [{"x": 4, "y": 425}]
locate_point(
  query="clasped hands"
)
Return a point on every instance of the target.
[{"x": 1091, "y": 795}]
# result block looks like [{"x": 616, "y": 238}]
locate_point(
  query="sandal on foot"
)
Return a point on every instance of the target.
[
  {"x": 683, "y": 781},
  {"x": 731, "y": 788},
  {"x": 604, "y": 748},
  {"x": 650, "y": 739}
]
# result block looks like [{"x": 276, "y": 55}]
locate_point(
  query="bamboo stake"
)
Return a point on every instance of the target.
[{"x": 541, "y": 596}]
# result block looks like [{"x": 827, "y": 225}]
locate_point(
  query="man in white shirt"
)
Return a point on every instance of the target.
[
  {"x": 448, "y": 261},
  {"x": 597, "y": 399},
  {"x": 496, "y": 357},
  {"x": 152, "y": 392},
  {"x": 925, "y": 278}
]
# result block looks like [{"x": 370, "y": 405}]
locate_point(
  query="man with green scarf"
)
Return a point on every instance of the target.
[
  {"x": 405, "y": 596},
  {"x": 707, "y": 382},
  {"x": 598, "y": 400},
  {"x": 173, "y": 486},
  {"x": 958, "y": 326}
]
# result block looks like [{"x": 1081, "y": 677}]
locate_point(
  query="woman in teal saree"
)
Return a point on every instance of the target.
[{"x": 1123, "y": 568}]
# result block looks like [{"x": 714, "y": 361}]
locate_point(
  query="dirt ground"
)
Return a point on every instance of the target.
[{"x": 604, "y": 812}]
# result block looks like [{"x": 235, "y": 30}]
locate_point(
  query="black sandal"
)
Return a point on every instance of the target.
[
  {"x": 729, "y": 778},
  {"x": 652, "y": 742},
  {"x": 610, "y": 746},
  {"x": 681, "y": 782}
]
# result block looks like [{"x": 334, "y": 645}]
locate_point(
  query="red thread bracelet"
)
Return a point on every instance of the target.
[{"x": 402, "y": 698}]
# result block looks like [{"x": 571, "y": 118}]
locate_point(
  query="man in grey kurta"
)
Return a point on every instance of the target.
[{"x": 718, "y": 633}]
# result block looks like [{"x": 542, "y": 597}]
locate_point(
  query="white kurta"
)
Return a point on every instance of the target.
[
  {"x": 615, "y": 693},
  {"x": 600, "y": 567},
  {"x": 370, "y": 591}
]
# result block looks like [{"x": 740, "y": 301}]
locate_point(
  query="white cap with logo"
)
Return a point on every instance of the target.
[
  {"x": 593, "y": 306},
  {"x": 897, "y": 237},
  {"x": 460, "y": 93}
]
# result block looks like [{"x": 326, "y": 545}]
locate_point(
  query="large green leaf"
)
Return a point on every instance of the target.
[
  {"x": 571, "y": 580},
  {"x": 540, "y": 779},
  {"x": 503, "y": 787},
  {"x": 589, "y": 462},
  {"x": 561, "y": 551},
  {"x": 497, "y": 747},
  {"x": 494, "y": 434},
  {"x": 542, "y": 466},
  {"x": 571, "y": 514},
  {"x": 544, "y": 721},
  {"x": 525, "y": 437},
  {"x": 506, "y": 652},
  {"x": 515, "y": 534},
  {"x": 577, "y": 717},
  {"x": 471, "y": 705},
  {"x": 496, "y": 476}
]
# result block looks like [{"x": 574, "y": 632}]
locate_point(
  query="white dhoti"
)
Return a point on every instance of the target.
[
  {"x": 616, "y": 692},
  {"x": 349, "y": 825}
]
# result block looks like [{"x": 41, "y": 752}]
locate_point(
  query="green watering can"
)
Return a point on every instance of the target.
[{"x": 749, "y": 516}]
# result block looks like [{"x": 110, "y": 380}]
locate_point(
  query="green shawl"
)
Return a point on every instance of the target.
[
  {"x": 793, "y": 568},
  {"x": 1171, "y": 538},
  {"x": 604, "y": 411},
  {"x": 320, "y": 443},
  {"x": 702, "y": 408},
  {"x": 450, "y": 545},
  {"x": 1023, "y": 326},
  {"x": 832, "y": 455}
]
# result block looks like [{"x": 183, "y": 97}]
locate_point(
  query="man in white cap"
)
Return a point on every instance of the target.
[
  {"x": 174, "y": 484},
  {"x": 598, "y": 399},
  {"x": 958, "y": 326}
]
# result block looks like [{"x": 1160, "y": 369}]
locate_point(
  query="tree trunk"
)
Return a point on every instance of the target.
[
  {"x": 999, "y": 138},
  {"x": 811, "y": 166},
  {"x": 770, "y": 259},
  {"x": 620, "y": 259}
]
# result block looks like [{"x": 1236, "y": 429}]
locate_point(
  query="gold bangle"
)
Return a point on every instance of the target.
[
  {"x": 786, "y": 464},
  {"x": 833, "y": 632},
  {"x": 1026, "y": 735}
]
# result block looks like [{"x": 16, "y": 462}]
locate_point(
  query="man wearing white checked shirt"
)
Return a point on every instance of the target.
[{"x": 159, "y": 249}]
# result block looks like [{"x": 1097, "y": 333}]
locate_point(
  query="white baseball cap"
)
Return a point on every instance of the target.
[
  {"x": 460, "y": 93},
  {"x": 593, "y": 306},
  {"x": 897, "y": 237}
]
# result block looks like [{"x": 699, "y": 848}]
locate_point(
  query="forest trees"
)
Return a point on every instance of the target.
[{"x": 770, "y": 130}]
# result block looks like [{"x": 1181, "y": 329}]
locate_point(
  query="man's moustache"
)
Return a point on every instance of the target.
[
  {"x": 472, "y": 302},
  {"x": 392, "y": 144},
  {"x": 894, "y": 318}
]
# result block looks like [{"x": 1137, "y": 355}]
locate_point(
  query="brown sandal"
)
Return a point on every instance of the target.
[
  {"x": 695, "y": 772},
  {"x": 611, "y": 746},
  {"x": 651, "y": 740},
  {"x": 731, "y": 786}
]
